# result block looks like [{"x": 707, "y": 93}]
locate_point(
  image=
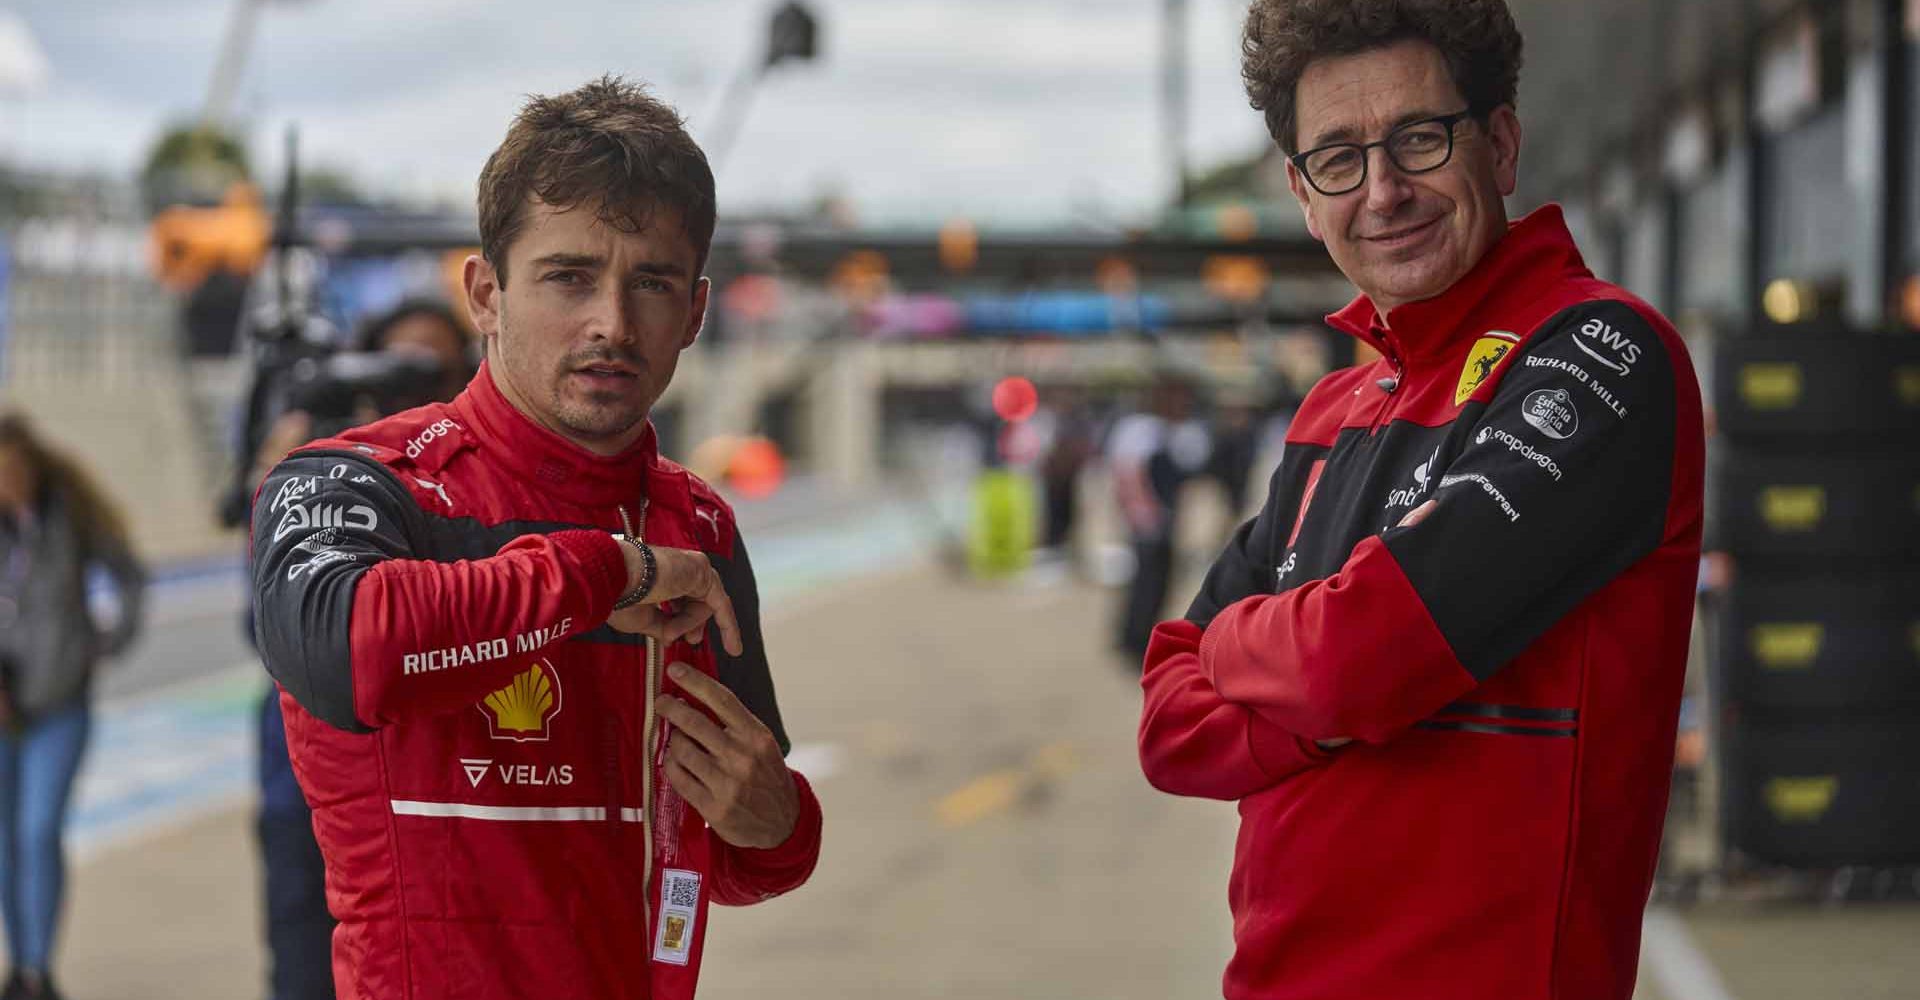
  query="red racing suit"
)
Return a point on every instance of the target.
[
  {"x": 1509, "y": 667},
  {"x": 480, "y": 749}
]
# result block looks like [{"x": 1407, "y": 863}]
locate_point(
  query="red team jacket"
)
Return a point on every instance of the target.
[
  {"x": 480, "y": 750},
  {"x": 1509, "y": 667}
]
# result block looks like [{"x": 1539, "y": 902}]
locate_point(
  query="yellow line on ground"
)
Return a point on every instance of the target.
[
  {"x": 995, "y": 791},
  {"x": 982, "y": 797},
  {"x": 1055, "y": 760}
]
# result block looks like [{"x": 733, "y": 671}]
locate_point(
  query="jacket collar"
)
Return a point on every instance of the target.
[
  {"x": 1537, "y": 250},
  {"x": 515, "y": 441}
]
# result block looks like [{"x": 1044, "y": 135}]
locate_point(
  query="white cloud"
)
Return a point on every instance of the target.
[{"x": 23, "y": 65}]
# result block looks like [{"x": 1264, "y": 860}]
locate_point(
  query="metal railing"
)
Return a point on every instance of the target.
[{"x": 80, "y": 307}]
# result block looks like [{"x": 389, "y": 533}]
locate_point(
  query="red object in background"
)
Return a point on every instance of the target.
[
  {"x": 756, "y": 469},
  {"x": 753, "y": 298},
  {"x": 1015, "y": 398}
]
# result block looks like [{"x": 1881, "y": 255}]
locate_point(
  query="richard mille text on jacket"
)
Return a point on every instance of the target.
[{"x": 483, "y": 651}]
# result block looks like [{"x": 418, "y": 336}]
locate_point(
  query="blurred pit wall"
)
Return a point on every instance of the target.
[
  {"x": 88, "y": 352},
  {"x": 823, "y": 400}
]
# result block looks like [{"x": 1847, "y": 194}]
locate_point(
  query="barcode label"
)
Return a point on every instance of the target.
[
  {"x": 679, "y": 908},
  {"x": 682, "y": 888}
]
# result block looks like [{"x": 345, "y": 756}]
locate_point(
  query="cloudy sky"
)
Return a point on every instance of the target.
[{"x": 1033, "y": 111}]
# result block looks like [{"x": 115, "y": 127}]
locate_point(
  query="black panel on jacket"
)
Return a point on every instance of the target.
[
  {"x": 320, "y": 521},
  {"x": 747, "y": 675},
  {"x": 1563, "y": 484},
  {"x": 1542, "y": 495}
]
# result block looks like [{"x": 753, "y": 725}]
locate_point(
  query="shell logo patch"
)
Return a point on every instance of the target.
[
  {"x": 523, "y": 711},
  {"x": 1485, "y": 358}
]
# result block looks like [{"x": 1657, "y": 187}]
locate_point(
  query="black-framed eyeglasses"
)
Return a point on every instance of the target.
[{"x": 1415, "y": 148}]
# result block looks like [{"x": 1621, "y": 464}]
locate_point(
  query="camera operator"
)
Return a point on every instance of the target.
[{"x": 416, "y": 353}]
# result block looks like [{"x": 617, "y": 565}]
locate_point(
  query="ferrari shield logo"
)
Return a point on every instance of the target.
[{"x": 1483, "y": 361}]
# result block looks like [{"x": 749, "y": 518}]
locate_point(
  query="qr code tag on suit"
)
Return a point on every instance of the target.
[{"x": 679, "y": 907}]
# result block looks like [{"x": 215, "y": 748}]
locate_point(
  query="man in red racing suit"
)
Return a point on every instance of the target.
[
  {"x": 1440, "y": 672},
  {"x": 519, "y": 788}
]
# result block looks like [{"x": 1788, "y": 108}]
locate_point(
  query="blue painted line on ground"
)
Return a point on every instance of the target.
[
  {"x": 163, "y": 575},
  {"x": 166, "y": 754},
  {"x": 191, "y": 748}
]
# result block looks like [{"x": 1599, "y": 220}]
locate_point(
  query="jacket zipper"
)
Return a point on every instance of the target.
[
  {"x": 638, "y": 530},
  {"x": 1385, "y": 408}
]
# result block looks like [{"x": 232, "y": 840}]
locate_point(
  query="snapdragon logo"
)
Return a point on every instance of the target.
[
  {"x": 440, "y": 429},
  {"x": 1522, "y": 449}
]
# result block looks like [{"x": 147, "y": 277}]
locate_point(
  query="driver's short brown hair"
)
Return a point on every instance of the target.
[
  {"x": 1477, "y": 38},
  {"x": 608, "y": 146}
]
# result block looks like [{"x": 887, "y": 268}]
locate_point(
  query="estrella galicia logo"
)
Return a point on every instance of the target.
[{"x": 1551, "y": 412}]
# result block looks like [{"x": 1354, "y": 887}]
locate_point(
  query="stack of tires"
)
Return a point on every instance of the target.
[{"x": 1816, "y": 497}]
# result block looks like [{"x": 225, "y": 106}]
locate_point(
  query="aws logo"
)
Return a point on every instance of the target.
[
  {"x": 1485, "y": 358},
  {"x": 523, "y": 711},
  {"x": 1621, "y": 354}
]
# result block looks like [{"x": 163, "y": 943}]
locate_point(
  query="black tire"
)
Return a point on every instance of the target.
[
  {"x": 1807, "y": 642},
  {"x": 1845, "y": 791},
  {"x": 1816, "y": 385},
  {"x": 1818, "y": 510}
]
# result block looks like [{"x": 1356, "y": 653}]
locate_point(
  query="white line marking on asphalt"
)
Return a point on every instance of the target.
[{"x": 1678, "y": 966}]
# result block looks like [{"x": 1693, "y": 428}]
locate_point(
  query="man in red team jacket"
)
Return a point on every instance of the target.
[
  {"x": 530, "y": 769},
  {"x": 1441, "y": 670}
]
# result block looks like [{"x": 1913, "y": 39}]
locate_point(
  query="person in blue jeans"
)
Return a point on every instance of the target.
[{"x": 56, "y": 528}]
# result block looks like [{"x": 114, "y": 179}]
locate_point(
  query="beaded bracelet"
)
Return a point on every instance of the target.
[{"x": 649, "y": 568}]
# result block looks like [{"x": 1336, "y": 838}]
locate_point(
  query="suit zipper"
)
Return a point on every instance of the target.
[
  {"x": 638, "y": 530},
  {"x": 1385, "y": 409}
]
